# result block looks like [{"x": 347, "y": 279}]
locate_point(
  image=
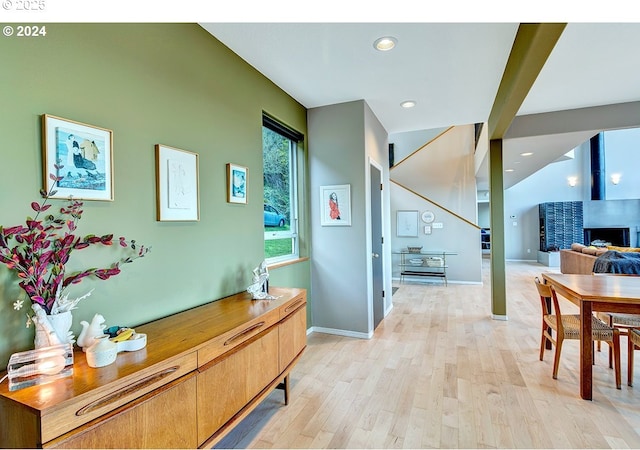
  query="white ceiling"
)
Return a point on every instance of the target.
[{"x": 452, "y": 71}]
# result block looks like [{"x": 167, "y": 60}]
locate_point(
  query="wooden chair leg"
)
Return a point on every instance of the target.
[
  {"x": 543, "y": 342},
  {"x": 631, "y": 350},
  {"x": 556, "y": 359},
  {"x": 610, "y": 323},
  {"x": 616, "y": 356}
]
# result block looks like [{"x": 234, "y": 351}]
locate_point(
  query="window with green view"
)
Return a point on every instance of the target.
[{"x": 279, "y": 148}]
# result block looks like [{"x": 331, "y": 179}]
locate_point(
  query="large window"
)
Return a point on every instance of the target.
[{"x": 279, "y": 149}]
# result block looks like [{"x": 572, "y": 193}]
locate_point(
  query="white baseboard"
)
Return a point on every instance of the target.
[
  {"x": 347, "y": 333},
  {"x": 428, "y": 281}
]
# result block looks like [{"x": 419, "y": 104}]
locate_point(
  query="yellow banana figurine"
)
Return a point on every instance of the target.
[{"x": 124, "y": 335}]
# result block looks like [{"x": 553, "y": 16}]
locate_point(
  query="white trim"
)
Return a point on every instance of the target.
[
  {"x": 499, "y": 317},
  {"x": 347, "y": 333},
  {"x": 434, "y": 280}
]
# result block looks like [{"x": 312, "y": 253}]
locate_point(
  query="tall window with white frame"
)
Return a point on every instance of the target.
[{"x": 279, "y": 151}]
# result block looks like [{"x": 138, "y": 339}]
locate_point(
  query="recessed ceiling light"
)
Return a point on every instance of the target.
[
  {"x": 526, "y": 154},
  {"x": 385, "y": 43},
  {"x": 408, "y": 104},
  {"x": 509, "y": 170}
]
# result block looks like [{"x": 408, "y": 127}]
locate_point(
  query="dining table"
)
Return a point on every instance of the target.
[{"x": 601, "y": 292}]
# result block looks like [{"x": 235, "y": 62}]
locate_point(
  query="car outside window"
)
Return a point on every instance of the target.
[{"x": 279, "y": 149}]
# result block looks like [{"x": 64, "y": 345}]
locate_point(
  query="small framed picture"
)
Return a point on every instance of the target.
[
  {"x": 335, "y": 205},
  {"x": 237, "y": 178},
  {"x": 177, "y": 196},
  {"x": 407, "y": 224},
  {"x": 77, "y": 159}
]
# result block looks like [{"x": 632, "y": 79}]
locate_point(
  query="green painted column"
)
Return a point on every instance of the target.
[
  {"x": 532, "y": 46},
  {"x": 496, "y": 214}
]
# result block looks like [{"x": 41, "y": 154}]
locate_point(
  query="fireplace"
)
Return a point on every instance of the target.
[{"x": 607, "y": 236}]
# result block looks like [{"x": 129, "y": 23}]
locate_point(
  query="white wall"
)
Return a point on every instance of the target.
[
  {"x": 407, "y": 143},
  {"x": 622, "y": 155},
  {"x": 484, "y": 217},
  {"x": 444, "y": 174}
]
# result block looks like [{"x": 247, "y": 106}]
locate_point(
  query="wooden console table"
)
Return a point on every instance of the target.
[{"x": 203, "y": 370}]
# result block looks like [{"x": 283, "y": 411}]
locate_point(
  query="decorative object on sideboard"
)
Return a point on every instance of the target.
[
  {"x": 90, "y": 331},
  {"x": 414, "y": 249},
  {"x": 102, "y": 352},
  {"x": 39, "y": 251},
  {"x": 259, "y": 289},
  {"x": 126, "y": 338},
  {"x": 40, "y": 366}
]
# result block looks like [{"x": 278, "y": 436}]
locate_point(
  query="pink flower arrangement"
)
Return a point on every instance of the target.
[{"x": 39, "y": 251}]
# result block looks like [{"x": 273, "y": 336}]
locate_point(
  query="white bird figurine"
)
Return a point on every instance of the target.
[{"x": 90, "y": 331}]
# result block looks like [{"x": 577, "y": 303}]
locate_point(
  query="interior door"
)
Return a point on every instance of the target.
[{"x": 376, "y": 245}]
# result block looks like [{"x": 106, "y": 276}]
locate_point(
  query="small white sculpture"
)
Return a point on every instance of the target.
[
  {"x": 46, "y": 335},
  {"x": 259, "y": 290},
  {"x": 90, "y": 331}
]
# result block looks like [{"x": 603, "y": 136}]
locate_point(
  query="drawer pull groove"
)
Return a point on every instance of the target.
[
  {"x": 294, "y": 305},
  {"x": 126, "y": 391},
  {"x": 244, "y": 332}
]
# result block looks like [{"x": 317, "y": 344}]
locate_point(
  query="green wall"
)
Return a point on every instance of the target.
[{"x": 172, "y": 84}]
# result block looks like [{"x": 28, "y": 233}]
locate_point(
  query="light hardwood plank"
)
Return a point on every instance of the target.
[{"x": 439, "y": 372}]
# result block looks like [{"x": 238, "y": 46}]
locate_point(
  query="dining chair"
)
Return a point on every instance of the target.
[
  {"x": 567, "y": 326},
  {"x": 634, "y": 344},
  {"x": 621, "y": 321}
]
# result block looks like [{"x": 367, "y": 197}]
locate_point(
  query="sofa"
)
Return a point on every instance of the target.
[{"x": 580, "y": 258}]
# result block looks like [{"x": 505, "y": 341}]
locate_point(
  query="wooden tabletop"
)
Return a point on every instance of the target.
[{"x": 600, "y": 288}]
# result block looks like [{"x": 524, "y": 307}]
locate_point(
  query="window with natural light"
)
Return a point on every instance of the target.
[{"x": 279, "y": 151}]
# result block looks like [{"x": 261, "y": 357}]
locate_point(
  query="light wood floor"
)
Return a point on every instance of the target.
[{"x": 439, "y": 372}]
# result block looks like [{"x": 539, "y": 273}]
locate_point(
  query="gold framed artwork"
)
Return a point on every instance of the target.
[
  {"x": 77, "y": 159},
  {"x": 177, "y": 193},
  {"x": 237, "y": 179}
]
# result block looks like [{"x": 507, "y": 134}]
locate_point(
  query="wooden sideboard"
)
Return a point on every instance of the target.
[{"x": 203, "y": 370}]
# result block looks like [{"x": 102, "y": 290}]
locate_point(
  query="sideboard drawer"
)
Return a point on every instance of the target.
[
  {"x": 292, "y": 306},
  {"x": 143, "y": 423},
  {"x": 124, "y": 391},
  {"x": 235, "y": 337}
]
